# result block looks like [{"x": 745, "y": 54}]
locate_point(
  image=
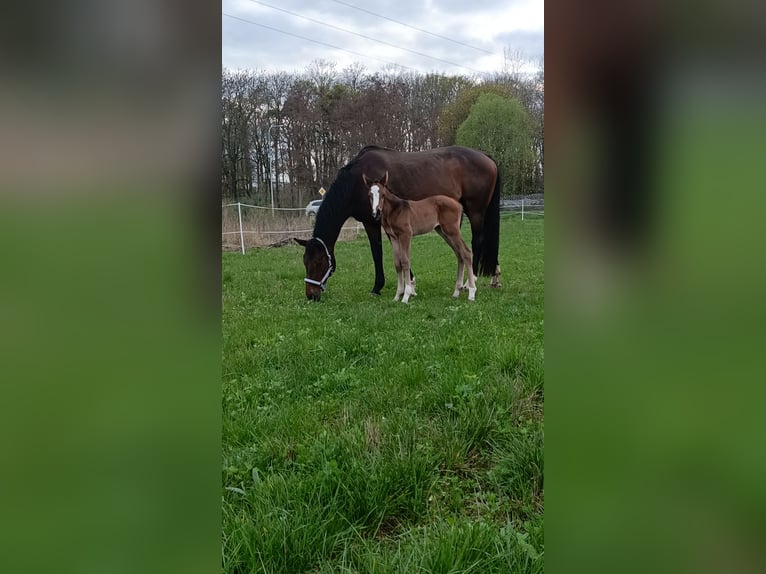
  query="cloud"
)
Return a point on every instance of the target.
[{"x": 275, "y": 40}]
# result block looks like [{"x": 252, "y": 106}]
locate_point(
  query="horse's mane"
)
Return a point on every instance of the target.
[
  {"x": 336, "y": 204},
  {"x": 335, "y": 208},
  {"x": 367, "y": 148}
]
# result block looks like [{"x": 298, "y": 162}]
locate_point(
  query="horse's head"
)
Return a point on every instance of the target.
[
  {"x": 319, "y": 266},
  {"x": 374, "y": 188}
]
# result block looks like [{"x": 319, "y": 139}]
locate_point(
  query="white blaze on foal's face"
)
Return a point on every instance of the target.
[{"x": 375, "y": 192}]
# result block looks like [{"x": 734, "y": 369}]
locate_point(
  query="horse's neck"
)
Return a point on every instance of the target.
[
  {"x": 391, "y": 201},
  {"x": 394, "y": 212},
  {"x": 328, "y": 228}
]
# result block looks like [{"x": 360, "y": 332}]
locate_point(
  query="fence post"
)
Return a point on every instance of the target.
[
  {"x": 241, "y": 233},
  {"x": 522, "y": 209}
]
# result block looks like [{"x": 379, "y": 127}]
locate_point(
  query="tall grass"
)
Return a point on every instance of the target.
[{"x": 364, "y": 435}]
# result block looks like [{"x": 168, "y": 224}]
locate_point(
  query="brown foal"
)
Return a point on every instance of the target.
[{"x": 402, "y": 219}]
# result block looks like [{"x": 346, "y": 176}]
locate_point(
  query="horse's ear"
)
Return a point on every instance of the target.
[
  {"x": 366, "y": 181},
  {"x": 300, "y": 241},
  {"x": 385, "y": 180}
]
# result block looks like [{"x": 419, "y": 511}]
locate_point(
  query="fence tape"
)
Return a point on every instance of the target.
[
  {"x": 513, "y": 210},
  {"x": 264, "y": 207},
  {"x": 355, "y": 228}
]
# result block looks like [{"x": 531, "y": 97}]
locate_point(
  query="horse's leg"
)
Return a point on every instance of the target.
[
  {"x": 404, "y": 254},
  {"x": 410, "y": 274},
  {"x": 396, "y": 249},
  {"x": 464, "y": 261},
  {"x": 466, "y": 254},
  {"x": 460, "y": 263},
  {"x": 376, "y": 246},
  {"x": 477, "y": 222}
]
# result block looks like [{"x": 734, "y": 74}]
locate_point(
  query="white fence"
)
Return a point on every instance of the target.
[
  {"x": 526, "y": 206},
  {"x": 297, "y": 222}
]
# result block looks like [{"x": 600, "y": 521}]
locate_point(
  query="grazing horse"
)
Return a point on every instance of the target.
[
  {"x": 466, "y": 175},
  {"x": 402, "y": 219}
]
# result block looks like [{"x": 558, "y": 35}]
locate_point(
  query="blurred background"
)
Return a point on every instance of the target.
[
  {"x": 655, "y": 133},
  {"x": 109, "y": 287}
]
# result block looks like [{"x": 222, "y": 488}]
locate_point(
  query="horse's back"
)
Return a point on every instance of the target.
[
  {"x": 425, "y": 214},
  {"x": 452, "y": 171}
]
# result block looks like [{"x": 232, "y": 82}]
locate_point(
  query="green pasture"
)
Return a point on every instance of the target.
[{"x": 364, "y": 435}]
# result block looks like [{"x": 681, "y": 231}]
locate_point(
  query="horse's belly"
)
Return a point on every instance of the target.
[{"x": 424, "y": 227}]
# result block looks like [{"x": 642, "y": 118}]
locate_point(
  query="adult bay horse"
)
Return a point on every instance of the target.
[
  {"x": 402, "y": 219},
  {"x": 465, "y": 174}
]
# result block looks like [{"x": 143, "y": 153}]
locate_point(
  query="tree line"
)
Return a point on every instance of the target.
[{"x": 294, "y": 131}]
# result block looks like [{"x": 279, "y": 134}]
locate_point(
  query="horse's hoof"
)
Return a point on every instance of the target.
[{"x": 374, "y": 293}]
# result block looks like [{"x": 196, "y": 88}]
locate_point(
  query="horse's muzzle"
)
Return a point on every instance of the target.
[{"x": 313, "y": 294}]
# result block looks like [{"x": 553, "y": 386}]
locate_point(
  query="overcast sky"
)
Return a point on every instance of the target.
[{"x": 484, "y": 28}]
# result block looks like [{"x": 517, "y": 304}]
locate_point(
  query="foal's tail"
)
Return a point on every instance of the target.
[{"x": 490, "y": 244}]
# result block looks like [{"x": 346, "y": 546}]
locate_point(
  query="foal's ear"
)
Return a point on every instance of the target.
[
  {"x": 385, "y": 180},
  {"x": 366, "y": 181},
  {"x": 300, "y": 241}
]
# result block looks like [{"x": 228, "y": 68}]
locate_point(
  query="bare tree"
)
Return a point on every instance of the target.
[
  {"x": 307, "y": 125},
  {"x": 237, "y": 115}
]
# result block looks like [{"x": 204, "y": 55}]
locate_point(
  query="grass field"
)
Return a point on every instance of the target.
[{"x": 363, "y": 435}]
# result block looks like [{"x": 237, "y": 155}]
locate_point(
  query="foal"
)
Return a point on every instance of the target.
[{"x": 402, "y": 219}]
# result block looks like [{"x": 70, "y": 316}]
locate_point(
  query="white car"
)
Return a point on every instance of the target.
[{"x": 313, "y": 207}]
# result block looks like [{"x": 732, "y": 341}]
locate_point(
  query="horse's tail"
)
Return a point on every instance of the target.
[{"x": 490, "y": 244}]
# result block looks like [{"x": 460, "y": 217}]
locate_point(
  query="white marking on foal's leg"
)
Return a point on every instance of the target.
[
  {"x": 464, "y": 279},
  {"x": 407, "y": 293},
  {"x": 471, "y": 284},
  {"x": 410, "y": 280},
  {"x": 399, "y": 286},
  {"x": 456, "y": 292},
  {"x": 460, "y": 274}
]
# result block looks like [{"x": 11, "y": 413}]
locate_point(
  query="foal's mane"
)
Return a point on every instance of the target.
[{"x": 398, "y": 201}]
